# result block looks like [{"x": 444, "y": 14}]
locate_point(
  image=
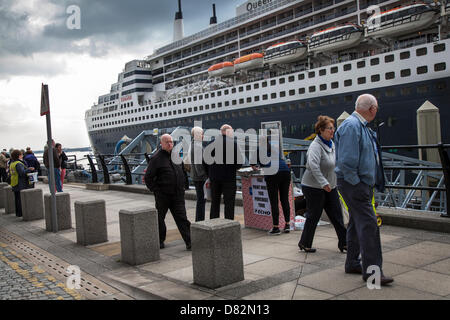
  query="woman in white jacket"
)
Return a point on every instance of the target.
[{"x": 319, "y": 186}]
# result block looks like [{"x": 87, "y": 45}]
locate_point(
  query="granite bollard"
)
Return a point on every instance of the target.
[
  {"x": 139, "y": 235},
  {"x": 63, "y": 213},
  {"x": 10, "y": 204},
  {"x": 217, "y": 258},
  {"x": 32, "y": 204},
  {"x": 90, "y": 219},
  {"x": 2, "y": 195}
]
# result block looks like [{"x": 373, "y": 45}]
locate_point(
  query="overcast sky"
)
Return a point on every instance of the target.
[{"x": 78, "y": 65}]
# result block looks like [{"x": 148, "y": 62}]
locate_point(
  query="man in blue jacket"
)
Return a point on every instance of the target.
[{"x": 359, "y": 169}]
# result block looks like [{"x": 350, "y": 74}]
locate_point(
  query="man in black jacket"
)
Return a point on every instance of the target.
[
  {"x": 167, "y": 181},
  {"x": 222, "y": 174}
]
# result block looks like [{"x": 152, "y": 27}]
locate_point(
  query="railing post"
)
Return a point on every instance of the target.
[
  {"x": 93, "y": 170},
  {"x": 443, "y": 155},
  {"x": 105, "y": 169},
  {"x": 127, "y": 170}
]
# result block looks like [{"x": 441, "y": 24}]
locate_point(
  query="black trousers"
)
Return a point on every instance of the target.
[
  {"x": 228, "y": 189},
  {"x": 174, "y": 203},
  {"x": 200, "y": 207},
  {"x": 318, "y": 200},
  {"x": 3, "y": 175},
  {"x": 279, "y": 183},
  {"x": 18, "y": 203},
  {"x": 363, "y": 233}
]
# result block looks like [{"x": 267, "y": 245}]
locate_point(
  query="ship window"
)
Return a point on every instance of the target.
[
  {"x": 322, "y": 72},
  {"x": 404, "y": 55},
  {"x": 375, "y": 78},
  {"x": 241, "y": 101},
  {"x": 265, "y": 110},
  {"x": 334, "y": 69},
  {"x": 390, "y": 75},
  {"x": 195, "y": 99},
  {"x": 389, "y": 92},
  {"x": 213, "y": 105},
  {"x": 264, "y": 84},
  {"x": 233, "y": 102},
  {"x": 312, "y": 88},
  {"x": 179, "y": 102},
  {"x": 273, "y": 82},
  {"x": 406, "y": 91},
  {"x": 200, "y": 108},
  {"x": 422, "y": 69},
  {"x": 200, "y": 97},
  {"x": 362, "y": 80},
  {"x": 347, "y": 83},
  {"x": 165, "y": 113},
  {"x": 323, "y": 87},
  {"x": 207, "y": 107},
  {"x": 374, "y": 61},
  {"x": 233, "y": 90},
  {"x": 195, "y": 109},
  {"x": 213, "y": 94},
  {"x": 219, "y": 93},
  {"x": 302, "y": 105},
  {"x": 361, "y": 64},
  {"x": 439, "y": 66},
  {"x": 265, "y": 97},
  {"x": 301, "y": 90},
  {"x": 348, "y": 98},
  {"x": 241, "y": 89},
  {"x": 422, "y": 89},
  {"x": 226, "y": 91},
  {"x": 405, "y": 72},
  {"x": 219, "y": 105},
  {"x": 439, "y": 47},
  {"x": 334, "y": 100},
  {"x": 421, "y": 51},
  {"x": 334, "y": 85},
  {"x": 282, "y": 94},
  {"x": 291, "y": 79},
  {"x": 389, "y": 58},
  {"x": 184, "y": 110},
  {"x": 256, "y": 98},
  {"x": 347, "y": 67},
  {"x": 274, "y": 109},
  {"x": 301, "y": 76},
  {"x": 248, "y": 88},
  {"x": 227, "y": 103},
  {"x": 291, "y": 92},
  {"x": 273, "y": 96},
  {"x": 282, "y": 80},
  {"x": 256, "y": 86},
  {"x": 184, "y": 100},
  {"x": 311, "y": 74},
  {"x": 314, "y": 103}
]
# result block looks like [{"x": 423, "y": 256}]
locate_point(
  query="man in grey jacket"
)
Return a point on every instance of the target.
[{"x": 358, "y": 166}]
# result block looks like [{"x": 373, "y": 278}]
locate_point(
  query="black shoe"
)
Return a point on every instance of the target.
[
  {"x": 274, "y": 232},
  {"x": 356, "y": 270},
  {"x": 188, "y": 247},
  {"x": 310, "y": 250},
  {"x": 287, "y": 228},
  {"x": 342, "y": 249},
  {"x": 161, "y": 245}
]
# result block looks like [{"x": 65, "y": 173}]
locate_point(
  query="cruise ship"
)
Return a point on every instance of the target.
[{"x": 288, "y": 61}]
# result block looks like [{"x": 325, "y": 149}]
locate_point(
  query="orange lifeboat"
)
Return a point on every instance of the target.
[
  {"x": 250, "y": 61},
  {"x": 221, "y": 69}
]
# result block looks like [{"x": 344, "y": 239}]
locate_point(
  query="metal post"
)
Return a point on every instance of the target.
[
  {"x": 93, "y": 170},
  {"x": 129, "y": 180},
  {"x": 52, "y": 173},
  {"x": 105, "y": 169},
  {"x": 446, "y": 170}
]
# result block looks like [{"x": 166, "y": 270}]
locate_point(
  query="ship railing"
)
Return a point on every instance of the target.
[{"x": 410, "y": 183}]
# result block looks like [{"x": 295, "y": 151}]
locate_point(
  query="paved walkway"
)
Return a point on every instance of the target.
[{"x": 418, "y": 260}]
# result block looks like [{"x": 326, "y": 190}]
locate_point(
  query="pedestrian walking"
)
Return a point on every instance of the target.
[
  {"x": 19, "y": 179},
  {"x": 194, "y": 164},
  {"x": 167, "y": 181},
  {"x": 222, "y": 173},
  {"x": 319, "y": 186},
  {"x": 57, "y": 166},
  {"x": 359, "y": 169},
  {"x": 63, "y": 159}
]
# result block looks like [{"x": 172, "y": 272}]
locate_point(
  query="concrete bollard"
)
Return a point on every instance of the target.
[
  {"x": 90, "y": 219},
  {"x": 32, "y": 204},
  {"x": 63, "y": 213},
  {"x": 2, "y": 195},
  {"x": 428, "y": 130},
  {"x": 139, "y": 236},
  {"x": 217, "y": 258},
  {"x": 10, "y": 204}
]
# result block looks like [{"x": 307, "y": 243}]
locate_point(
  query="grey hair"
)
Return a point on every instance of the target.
[
  {"x": 196, "y": 131},
  {"x": 365, "y": 101}
]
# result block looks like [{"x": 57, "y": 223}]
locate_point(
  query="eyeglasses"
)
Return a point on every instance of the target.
[{"x": 329, "y": 128}]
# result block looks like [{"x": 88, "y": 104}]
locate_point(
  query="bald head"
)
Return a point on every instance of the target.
[
  {"x": 226, "y": 130},
  {"x": 367, "y": 106},
  {"x": 167, "y": 142}
]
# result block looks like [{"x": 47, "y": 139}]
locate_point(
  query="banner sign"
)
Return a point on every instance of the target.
[
  {"x": 45, "y": 102},
  {"x": 261, "y": 202}
]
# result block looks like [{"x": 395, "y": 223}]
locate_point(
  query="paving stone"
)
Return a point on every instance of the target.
[
  {"x": 393, "y": 292},
  {"x": 409, "y": 258},
  {"x": 431, "y": 282},
  {"x": 442, "y": 266}
]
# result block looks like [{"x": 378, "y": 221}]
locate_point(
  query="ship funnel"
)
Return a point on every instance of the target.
[
  {"x": 178, "y": 27},
  {"x": 213, "y": 20}
]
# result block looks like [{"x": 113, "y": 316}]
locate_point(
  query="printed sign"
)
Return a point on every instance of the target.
[
  {"x": 45, "y": 102},
  {"x": 261, "y": 202}
]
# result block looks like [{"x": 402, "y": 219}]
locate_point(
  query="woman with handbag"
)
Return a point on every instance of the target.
[
  {"x": 319, "y": 186},
  {"x": 19, "y": 179}
]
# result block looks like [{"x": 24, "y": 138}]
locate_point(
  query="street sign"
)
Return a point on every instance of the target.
[{"x": 45, "y": 102}]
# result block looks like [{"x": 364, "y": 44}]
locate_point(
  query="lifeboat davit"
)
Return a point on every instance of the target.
[
  {"x": 336, "y": 38},
  {"x": 221, "y": 69},
  {"x": 401, "y": 20},
  {"x": 250, "y": 61},
  {"x": 285, "y": 52}
]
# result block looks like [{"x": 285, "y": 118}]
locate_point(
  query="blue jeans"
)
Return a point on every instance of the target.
[
  {"x": 57, "y": 180},
  {"x": 200, "y": 208}
]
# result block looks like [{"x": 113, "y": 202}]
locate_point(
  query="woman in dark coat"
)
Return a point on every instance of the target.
[{"x": 19, "y": 179}]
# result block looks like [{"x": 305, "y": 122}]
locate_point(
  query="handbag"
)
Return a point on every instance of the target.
[{"x": 207, "y": 189}]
